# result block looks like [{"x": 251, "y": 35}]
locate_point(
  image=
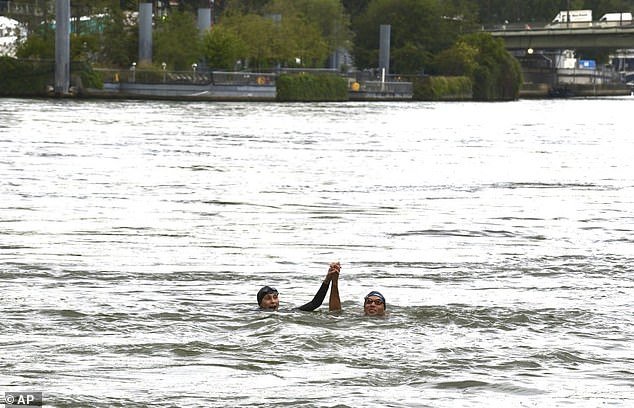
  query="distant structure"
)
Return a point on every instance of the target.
[
  {"x": 204, "y": 19},
  {"x": 62, "y": 47},
  {"x": 384, "y": 49},
  {"x": 11, "y": 31},
  {"x": 145, "y": 33}
]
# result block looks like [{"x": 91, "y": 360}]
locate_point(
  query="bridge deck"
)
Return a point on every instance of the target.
[{"x": 562, "y": 38}]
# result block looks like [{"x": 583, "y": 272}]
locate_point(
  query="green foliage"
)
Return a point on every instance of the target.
[
  {"x": 119, "y": 41},
  {"x": 308, "y": 88},
  {"x": 419, "y": 29},
  {"x": 25, "y": 78},
  {"x": 39, "y": 45},
  {"x": 222, "y": 48},
  {"x": 327, "y": 16},
  {"x": 89, "y": 78},
  {"x": 270, "y": 42},
  {"x": 244, "y": 6},
  {"x": 355, "y": 7},
  {"x": 306, "y": 48},
  {"x": 457, "y": 60},
  {"x": 497, "y": 75},
  {"x": 258, "y": 34},
  {"x": 20, "y": 77},
  {"x": 436, "y": 88},
  {"x": 177, "y": 41}
]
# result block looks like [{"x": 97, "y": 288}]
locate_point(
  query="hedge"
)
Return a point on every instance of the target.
[
  {"x": 309, "y": 88},
  {"x": 20, "y": 77},
  {"x": 25, "y": 78},
  {"x": 437, "y": 88}
]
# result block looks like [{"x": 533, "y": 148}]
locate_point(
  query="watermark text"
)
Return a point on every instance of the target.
[{"x": 15, "y": 399}]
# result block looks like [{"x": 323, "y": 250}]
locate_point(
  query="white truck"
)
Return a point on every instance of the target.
[
  {"x": 615, "y": 19},
  {"x": 576, "y": 18}
]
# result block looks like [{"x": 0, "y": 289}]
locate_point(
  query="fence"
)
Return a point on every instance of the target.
[
  {"x": 133, "y": 75},
  {"x": 27, "y": 7}
]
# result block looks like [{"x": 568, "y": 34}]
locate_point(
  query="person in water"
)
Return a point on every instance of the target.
[
  {"x": 268, "y": 297},
  {"x": 374, "y": 304}
]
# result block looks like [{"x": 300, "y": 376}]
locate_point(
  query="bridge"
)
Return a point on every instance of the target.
[{"x": 567, "y": 38}]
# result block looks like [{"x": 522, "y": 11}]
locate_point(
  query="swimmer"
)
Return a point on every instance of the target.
[
  {"x": 374, "y": 304},
  {"x": 268, "y": 297}
]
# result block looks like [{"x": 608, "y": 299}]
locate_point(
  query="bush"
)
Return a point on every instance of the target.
[
  {"x": 436, "y": 88},
  {"x": 89, "y": 78},
  {"x": 33, "y": 78},
  {"x": 308, "y": 88},
  {"x": 25, "y": 78},
  {"x": 498, "y": 75}
]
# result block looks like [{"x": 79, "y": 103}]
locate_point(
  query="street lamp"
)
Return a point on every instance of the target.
[
  {"x": 133, "y": 69},
  {"x": 164, "y": 66},
  {"x": 194, "y": 66}
]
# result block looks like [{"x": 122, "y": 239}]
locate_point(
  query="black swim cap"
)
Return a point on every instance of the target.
[{"x": 265, "y": 291}]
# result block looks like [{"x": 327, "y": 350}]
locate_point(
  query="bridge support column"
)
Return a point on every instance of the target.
[
  {"x": 384, "y": 48},
  {"x": 62, "y": 47},
  {"x": 204, "y": 19},
  {"x": 145, "y": 33}
]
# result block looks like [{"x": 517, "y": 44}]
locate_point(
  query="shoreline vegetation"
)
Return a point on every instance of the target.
[
  {"x": 278, "y": 50},
  {"x": 32, "y": 78}
]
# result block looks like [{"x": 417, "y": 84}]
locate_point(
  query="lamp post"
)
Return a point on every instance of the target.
[
  {"x": 194, "y": 66},
  {"x": 164, "y": 66},
  {"x": 133, "y": 69}
]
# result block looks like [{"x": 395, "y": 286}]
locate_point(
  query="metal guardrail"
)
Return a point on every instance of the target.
[
  {"x": 237, "y": 79},
  {"x": 385, "y": 87},
  {"x": 187, "y": 77},
  {"x": 264, "y": 82}
]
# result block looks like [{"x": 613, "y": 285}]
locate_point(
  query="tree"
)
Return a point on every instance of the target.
[
  {"x": 177, "y": 41},
  {"x": 355, "y": 7},
  {"x": 302, "y": 43},
  {"x": 257, "y": 33},
  {"x": 244, "y": 6},
  {"x": 419, "y": 29},
  {"x": 119, "y": 45},
  {"x": 329, "y": 16},
  {"x": 222, "y": 48},
  {"x": 459, "y": 60},
  {"x": 497, "y": 75},
  {"x": 277, "y": 40},
  {"x": 38, "y": 45}
]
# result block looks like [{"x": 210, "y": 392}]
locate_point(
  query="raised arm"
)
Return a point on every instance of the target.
[
  {"x": 334, "y": 304},
  {"x": 320, "y": 295}
]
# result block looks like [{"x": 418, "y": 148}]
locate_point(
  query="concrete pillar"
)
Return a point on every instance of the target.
[
  {"x": 204, "y": 19},
  {"x": 384, "y": 48},
  {"x": 145, "y": 33},
  {"x": 62, "y": 47}
]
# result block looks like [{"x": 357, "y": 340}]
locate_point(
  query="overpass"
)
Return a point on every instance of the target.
[{"x": 567, "y": 38}]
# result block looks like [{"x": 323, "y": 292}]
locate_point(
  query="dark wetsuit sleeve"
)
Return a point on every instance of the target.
[{"x": 317, "y": 300}]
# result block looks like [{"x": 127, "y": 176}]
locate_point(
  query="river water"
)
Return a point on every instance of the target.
[{"x": 134, "y": 236}]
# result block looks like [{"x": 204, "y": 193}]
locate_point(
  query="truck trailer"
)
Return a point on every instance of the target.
[{"x": 576, "y": 17}]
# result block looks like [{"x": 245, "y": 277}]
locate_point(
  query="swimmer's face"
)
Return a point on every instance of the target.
[
  {"x": 373, "y": 306},
  {"x": 270, "y": 302}
]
